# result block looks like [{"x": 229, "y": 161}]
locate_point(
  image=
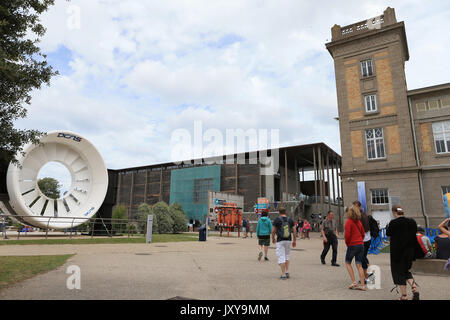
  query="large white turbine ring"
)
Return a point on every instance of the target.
[{"x": 82, "y": 200}]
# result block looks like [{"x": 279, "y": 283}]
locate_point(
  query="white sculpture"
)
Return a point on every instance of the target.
[{"x": 82, "y": 200}]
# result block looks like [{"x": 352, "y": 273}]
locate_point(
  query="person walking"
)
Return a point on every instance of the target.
[
  {"x": 263, "y": 230},
  {"x": 367, "y": 239},
  {"x": 330, "y": 234},
  {"x": 300, "y": 227},
  {"x": 245, "y": 227},
  {"x": 354, "y": 236},
  {"x": 402, "y": 232},
  {"x": 283, "y": 227}
]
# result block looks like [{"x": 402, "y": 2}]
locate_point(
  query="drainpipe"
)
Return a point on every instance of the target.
[{"x": 416, "y": 153}]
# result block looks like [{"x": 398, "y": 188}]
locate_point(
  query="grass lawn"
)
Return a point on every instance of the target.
[
  {"x": 14, "y": 269},
  {"x": 95, "y": 240}
]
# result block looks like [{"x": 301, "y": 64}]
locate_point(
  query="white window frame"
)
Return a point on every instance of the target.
[
  {"x": 365, "y": 68},
  {"x": 378, "y": 141},
  {"x": 370, "y": 101},
  {"x": 379, "y": 196},
  {"x": 441, "y": 135}
]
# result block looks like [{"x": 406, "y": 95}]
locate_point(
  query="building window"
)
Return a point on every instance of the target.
[
  {"x": 445, "y": 189},
  {"x": 380, "y": 196},
  {"x": 441, "y": 133},
  {"x": 366, "y": 68},
  {"x": 445, "y": 103},
  {"x": 371, "y": 103},
  {"x": 201, "y": 188},
  {"x": 375, "y": 143},
  {"x": 433, "y": 104},
  {"x": 421, "y": 106}
]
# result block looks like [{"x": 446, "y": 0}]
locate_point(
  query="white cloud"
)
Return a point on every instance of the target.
[{"x": 141, "y": 69}]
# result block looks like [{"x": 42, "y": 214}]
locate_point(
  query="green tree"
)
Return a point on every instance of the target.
[
  {"x": 144, "y": 211},
  {"x": 119, "y": 218},
  {"x": 179, "y": 218},
  {"x": 22, "y": 68},
  {"x": 50, "y": 187},
  {"x": 165, "y": 222}
]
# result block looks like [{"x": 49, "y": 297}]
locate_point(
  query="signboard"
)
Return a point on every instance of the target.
[{"x": 149, "y": 228}]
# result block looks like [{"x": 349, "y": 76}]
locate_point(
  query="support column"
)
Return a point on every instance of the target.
[
  {"x": 315, "y": 179},
  {"x": 322, "y": 204},
  {"x": 236, "y": 176},
  {"x": 131, "y": 195},
  {"x": 297, "y": 179},
  {"x": 161, "y": 184},
  {"x": 332, "y": 178},
  {"x": 286, "y": 175},
  {"x": 145, "y": 187},
  {"x": 119, "y": 186},
  {"x": 339, "y": 189},
  {"x": 328, "y": 180},
  {"x": 259, "y": 179}
]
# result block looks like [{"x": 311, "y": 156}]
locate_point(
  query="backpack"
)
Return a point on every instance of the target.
[
  {"x": 285, "y": 228},
  {"x": 373, "y": 227}
]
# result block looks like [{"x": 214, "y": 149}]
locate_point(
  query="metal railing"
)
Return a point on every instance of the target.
[{"x": 93, "y": 226}]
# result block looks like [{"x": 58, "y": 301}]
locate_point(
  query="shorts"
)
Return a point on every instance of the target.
[
  {"x": 244, "y": 229},
  {"x": 283, "y": 249},
  {"x": 264, "y": 240},
  {"x": 356, "y": 252}
]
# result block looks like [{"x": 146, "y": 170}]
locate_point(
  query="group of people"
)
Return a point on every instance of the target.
[
  {"x": 406, "y": 239},
  {"x": 303, "y": 228},
  {"x": 441, "y": 249}
]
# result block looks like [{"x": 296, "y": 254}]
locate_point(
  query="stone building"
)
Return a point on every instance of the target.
[{"x": 395, "y": 142}]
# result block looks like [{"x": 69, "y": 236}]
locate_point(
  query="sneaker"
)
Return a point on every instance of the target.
[
  {"x": 335, "y": 264},
  {"x": 287, "y": 275},
  {"x": 322, "y": 260},
  {"x": 260, "y": 256},
  {"x": 283, "y": 278},
  {"x": 266, "y": 259}
]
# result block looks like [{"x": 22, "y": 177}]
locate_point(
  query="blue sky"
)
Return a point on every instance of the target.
[{"x": 133, "y": 72}]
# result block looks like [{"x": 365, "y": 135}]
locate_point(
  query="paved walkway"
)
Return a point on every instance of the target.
[{"x": 221, "y": 268}]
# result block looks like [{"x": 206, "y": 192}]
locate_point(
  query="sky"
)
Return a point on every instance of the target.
[{"x": 131, "y": 73}]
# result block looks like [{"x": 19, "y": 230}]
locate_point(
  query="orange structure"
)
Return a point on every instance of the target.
[{"x": 229, "y": 216}]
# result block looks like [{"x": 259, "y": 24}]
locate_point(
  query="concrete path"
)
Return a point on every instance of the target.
[{"x": 221, "y": 268}]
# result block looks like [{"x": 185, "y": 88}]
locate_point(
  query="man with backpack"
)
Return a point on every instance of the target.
[{"x": 283, "y": 227}]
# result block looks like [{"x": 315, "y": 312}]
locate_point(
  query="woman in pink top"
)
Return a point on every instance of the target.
[
  {"x": 354, "y": 239},
  {"x": 306, "y": 228}
]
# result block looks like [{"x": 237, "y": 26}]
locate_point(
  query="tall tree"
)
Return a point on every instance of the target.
[
  {"x": 50, "y": 187},
  {"x": 22, "y": 68}
]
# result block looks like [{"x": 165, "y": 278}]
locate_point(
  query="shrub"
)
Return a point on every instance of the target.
[
  {"x": 165, "y": 222},
  {"x": 119, "y": 217},
  {"x": 179, "y": 218}
]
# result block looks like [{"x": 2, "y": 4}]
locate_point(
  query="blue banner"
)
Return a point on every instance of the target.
[
  {"x": 362, "y": 194},
  {"x": 446, "y": 205}
]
